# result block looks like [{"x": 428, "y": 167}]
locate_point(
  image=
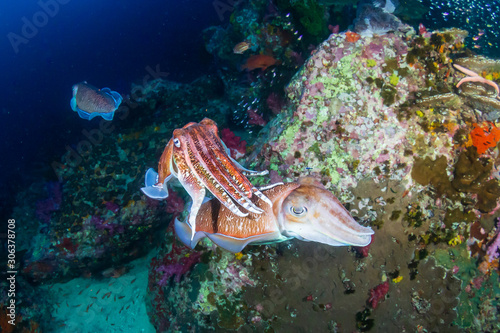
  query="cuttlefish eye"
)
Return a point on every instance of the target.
[
  {"x": 298, "y": 211},
  {"x": 177, "y": 143}
]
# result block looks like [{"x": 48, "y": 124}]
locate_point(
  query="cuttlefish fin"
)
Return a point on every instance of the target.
[
  {"x": 74, "y": 106},
  {"x": 90, "y": 115},
  {"x": 117, "y": 98},
  {"x": 152, "y": 189},
  {"x": 184, "y": 232},
  {"x": 233, "y": 244},
  {"x": 105, "y": 115}
]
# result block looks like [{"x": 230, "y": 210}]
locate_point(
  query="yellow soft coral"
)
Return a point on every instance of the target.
[{"x": 455, "y": 241}]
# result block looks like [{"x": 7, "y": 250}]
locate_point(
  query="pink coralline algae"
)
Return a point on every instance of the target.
[
  {"x": 274, "y": 103},
  {"x": 363, "y": 251},
  {"x": 378, "y": 293},
  {"x": 102, "y": 224},
  {"x": 175, "y": 204},
  {"x": 254, "y": 118},
  {"x": 175, "y": 263},
  {"x": 44, "y": 208},
  {"x": 236, "y": 146},
  {"x": 334, "y": 29},
  {"x": 112, "y": 206},
  {"x": 494, "y": 248},
  {"x": 68, "y": 245}
]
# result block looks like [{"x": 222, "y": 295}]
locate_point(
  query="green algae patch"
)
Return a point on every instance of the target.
[
  {"x": 433, "y": 172},
  {"x": 480, "y": 300},
  {"x": 333, "y": 162},
  {"x": 394, "y": 79},
  {"x": 457, "y": 256},
  {"x": 371, "y": 63},
  {"x": 487, "y": 197},
  {"x": 315, "y": 148},
  {"x": 340, "y": 78},
  {"x": 290, "y": 134},
  {"x": 458, "y": 215}
]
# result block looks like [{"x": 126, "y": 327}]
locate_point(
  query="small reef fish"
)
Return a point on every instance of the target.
[
  {"x": 241, "y": 47},
  {"x": 91, "y": 102},
  {"x": 261, "y": 61},
  {"x": 305, "y": 210}
]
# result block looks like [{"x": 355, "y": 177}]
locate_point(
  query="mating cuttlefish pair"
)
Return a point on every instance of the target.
[{"x": 240, "y": 214}]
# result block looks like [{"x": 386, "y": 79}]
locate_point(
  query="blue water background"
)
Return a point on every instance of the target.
[{"x": 108, "y": 44}]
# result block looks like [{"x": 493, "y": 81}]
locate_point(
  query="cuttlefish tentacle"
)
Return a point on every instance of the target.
[
  {"x": 228, "y": 168},
  {"x": 166, "y": 164},
  {"x": 237, "y": 171},
  {"x": 218, "y": 173},
  {"x": 198, "y": 194}
]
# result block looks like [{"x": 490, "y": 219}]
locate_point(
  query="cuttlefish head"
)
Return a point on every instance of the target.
[{"x": 312, "y": 213}]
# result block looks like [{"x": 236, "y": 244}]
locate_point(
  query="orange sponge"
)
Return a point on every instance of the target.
[{"x": 484, "y": 137}]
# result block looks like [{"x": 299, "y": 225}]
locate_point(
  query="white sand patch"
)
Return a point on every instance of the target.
[{"x": 106, "y": 305}]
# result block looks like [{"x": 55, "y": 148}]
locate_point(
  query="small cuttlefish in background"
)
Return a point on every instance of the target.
[
  {"x": 305, "y": 210},
  {"x": 91, "y": 102}
]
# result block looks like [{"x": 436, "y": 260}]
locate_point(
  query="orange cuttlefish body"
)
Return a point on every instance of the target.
[
  {"x": 197, "y": 157},
  {"x": 303, "y": 210}
]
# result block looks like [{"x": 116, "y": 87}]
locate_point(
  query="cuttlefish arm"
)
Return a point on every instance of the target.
[{"x": 155, "y": 184}]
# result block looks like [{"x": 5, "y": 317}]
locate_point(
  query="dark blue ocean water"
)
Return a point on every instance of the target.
[{"x": 48, "y": 46}]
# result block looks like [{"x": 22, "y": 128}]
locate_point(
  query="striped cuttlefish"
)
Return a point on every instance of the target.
[{"x": 305, "y": 210}]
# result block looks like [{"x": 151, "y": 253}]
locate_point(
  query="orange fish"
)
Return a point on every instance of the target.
[
  {"x": 261, "y": 61},
  {"x": 241, "y": 47}
]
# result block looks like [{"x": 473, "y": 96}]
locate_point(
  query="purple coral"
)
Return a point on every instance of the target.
[
  {"x": 176, "y": 262},
  {"x": 44, "y": 208},
  {"x": 112, "y": 206},
  {"x": 177, "y": 268},
  {"x": 101, "y": 224},
  {"x": 494, "y": 247}
]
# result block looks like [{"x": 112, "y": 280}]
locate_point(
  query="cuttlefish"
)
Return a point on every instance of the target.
[
  {"x": 91, "y": 102},
  {"x": 197, "y": 157},
  {"x": 305, "y": 210}
]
